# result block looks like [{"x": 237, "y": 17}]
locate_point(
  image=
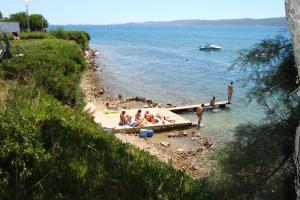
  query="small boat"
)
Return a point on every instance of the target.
[{"x": 209, "y": 47}]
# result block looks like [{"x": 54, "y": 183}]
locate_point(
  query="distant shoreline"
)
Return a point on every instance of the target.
[{"x": 276, "y": 21}]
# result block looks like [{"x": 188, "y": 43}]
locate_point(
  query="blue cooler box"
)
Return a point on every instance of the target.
[{"x": 146, "y": 133}]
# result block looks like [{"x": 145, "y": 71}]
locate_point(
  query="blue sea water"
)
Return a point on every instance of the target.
[{"x": 163, "y": 63}]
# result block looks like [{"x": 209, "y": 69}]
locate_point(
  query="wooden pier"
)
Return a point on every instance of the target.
[
  {"x": 111, "y": 121},
  {"x": 178, "y": 109}
]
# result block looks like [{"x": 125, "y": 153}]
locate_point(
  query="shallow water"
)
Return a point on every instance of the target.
[{"x": 163, "y": 63}]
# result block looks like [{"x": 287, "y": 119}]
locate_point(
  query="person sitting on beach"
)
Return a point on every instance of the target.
[
  {"x": 138, "y": 116},
  {"x": 164, "y": 118},
  {"x": 16, "y": 36},
  {"x": 124, "y": 119},
  {"x": 149, "y": 117},
  {"x": 230, "y": 91},
  {"x": 213, "y": 103},
  {"x": 199, "y": 112}
]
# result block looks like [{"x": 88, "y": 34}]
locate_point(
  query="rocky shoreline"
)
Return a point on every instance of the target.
[{"x": 195, "y": 161}]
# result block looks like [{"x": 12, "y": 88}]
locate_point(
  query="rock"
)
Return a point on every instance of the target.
[
  {"x": 130, "y": 99},
  {"x": 168, "y": 105},
  {"x": 101, "y": 92},
  {"x": 208, "y": 144},
  {"x": 139, "y": 98},
  {"x": 200, "y": 149},
  {"x": 149, "y": 101},
  {"x": 165, "y": 144},
  {"x": 90, "y": 108},
  {"x": 146, "y": 106},
  {"x": 180, "y": 150},
  {"x": 120, "y": 97},
  {"x": 170, "y": 135}
]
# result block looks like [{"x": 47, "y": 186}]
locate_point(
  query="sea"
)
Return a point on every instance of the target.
[{"x": 163, "y": 63}]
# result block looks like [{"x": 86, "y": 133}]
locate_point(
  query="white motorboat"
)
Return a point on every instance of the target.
[{"x": 209, "y": 47}]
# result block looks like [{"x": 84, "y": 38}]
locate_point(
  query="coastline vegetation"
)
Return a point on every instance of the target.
[
  {"x": 30, "y": 35},
  {"x": 50, "y": 149},
  {"x": 258, "y": 163},
  {"x": 80, "y": 37}
]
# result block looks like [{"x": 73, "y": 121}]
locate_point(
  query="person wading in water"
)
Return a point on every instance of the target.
[{"x": 199, "y": 112}]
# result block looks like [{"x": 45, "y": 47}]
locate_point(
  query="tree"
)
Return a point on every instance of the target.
[
  {"x": 37, "y": 22},
  {"x": 258, "y": 163},
  {"x": 1, "y": 16},
  {"x": 292, "y": 11},
  {"x": 20, "y": 17}
]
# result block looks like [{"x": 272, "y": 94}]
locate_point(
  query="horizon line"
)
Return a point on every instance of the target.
[{"x": 166, "y": 21}]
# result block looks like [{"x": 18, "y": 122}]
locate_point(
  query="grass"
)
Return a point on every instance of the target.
[
  {"x": 54, "y": 64},
  {"x": 49, "y": 150},
  {"x": 30, "y": 36}
]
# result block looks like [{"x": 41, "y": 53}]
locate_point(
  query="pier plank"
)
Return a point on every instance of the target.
[{"x": 192, "y": 107}]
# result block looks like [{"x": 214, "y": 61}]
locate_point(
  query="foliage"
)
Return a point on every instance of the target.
[
  {"x": 38, "y": 22},
  {"x": 1, "y": 16},
  {"x": 20, "y": 17},
  {"x": 87, "y": 35},
  {"x": 55, "y": 64},
  {"x": 258, "y": 163},
  {"x": 80, "y": 37},
  {"x": 52, "y": 151},
  {"x": 30, "y": 36},
  {"x": 35, "y": 21}
]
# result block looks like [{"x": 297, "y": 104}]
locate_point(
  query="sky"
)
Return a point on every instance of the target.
[{"x": 123, "y": 11}]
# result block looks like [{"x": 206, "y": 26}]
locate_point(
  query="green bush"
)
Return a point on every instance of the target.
[
  {"x": 54, "y": 64},
  {"x": 87, "y": 35},
  {"x": 35, "y": 35},
  {"x": 52, "y": 151},
  {"x": 30, "y": 36},
  {"x": 80, "y": 37},
  {"x": 49, "y": 151}
]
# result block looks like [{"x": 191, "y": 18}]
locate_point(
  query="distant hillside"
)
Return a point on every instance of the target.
[{"x": 279, "y": 21}]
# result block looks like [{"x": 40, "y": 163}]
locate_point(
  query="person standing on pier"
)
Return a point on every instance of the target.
[
  {"x": 199, "y": 112},
  {"x": 230, "y": 91}
]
